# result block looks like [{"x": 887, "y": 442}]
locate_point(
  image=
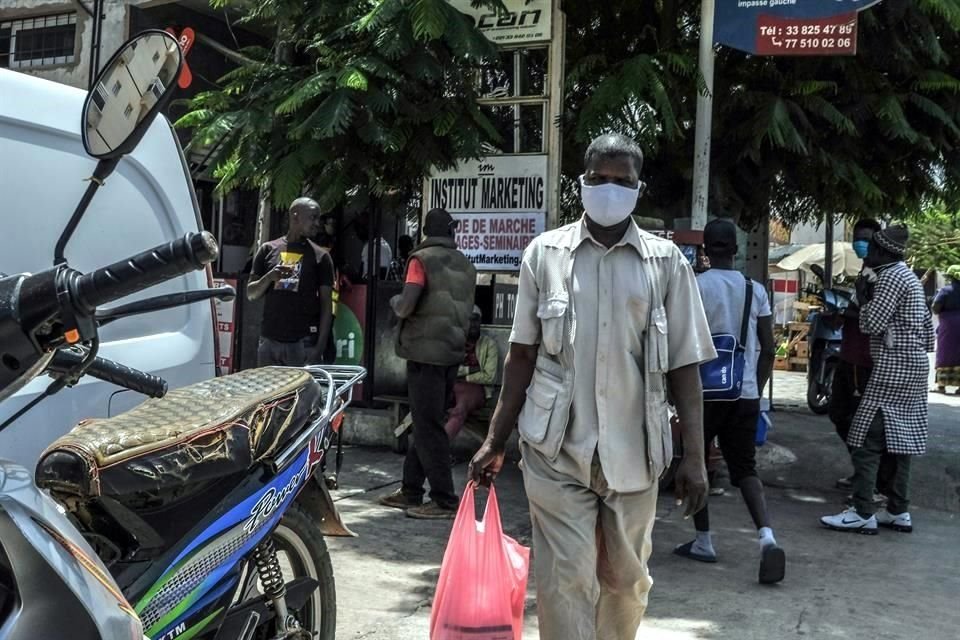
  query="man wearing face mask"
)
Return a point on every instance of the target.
[
  {"x": 606, "y": 316},
  {"x": 892, "y": 416},
  {"x": 853, "y": 370}
]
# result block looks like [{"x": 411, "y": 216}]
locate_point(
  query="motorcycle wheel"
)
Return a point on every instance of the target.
[
  {"x": 818, "y": 397},
  {"x": 302, "y": 553}
]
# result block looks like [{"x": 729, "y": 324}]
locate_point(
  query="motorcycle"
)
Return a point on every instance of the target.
[
  {"x": 200, "y": 513},
  {"x": 824, "y": 341}
]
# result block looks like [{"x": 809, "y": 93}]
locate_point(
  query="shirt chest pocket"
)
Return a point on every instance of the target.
[{"x": 552, "y": 313}]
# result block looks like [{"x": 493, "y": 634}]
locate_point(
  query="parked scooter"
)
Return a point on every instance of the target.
[
  {"x": 200, "y": 515},
  {"x": 824, "y": 342}
]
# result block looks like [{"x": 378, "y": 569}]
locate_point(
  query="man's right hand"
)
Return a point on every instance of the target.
[
  {"x": 691, "y": 485},
  {"x": 486, "y": 464},
  {"x": 280, "y": 272}
]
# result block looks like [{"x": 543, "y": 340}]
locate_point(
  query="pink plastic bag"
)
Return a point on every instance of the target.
[{"x": 483, "y": 579}]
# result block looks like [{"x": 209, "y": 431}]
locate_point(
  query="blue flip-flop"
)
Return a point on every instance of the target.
[{"x": 686, "y": 551}]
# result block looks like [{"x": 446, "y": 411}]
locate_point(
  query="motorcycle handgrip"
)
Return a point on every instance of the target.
[
  {"x": 128, "y": 378},
  {"x": 112, "y": 372},
  {"x": 164, "y": 262}
]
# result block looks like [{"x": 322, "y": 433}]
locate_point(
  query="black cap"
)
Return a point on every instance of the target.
[
  {"x": 893, "y": 240},
  {"x": 720, "y": 236},
  {"x": 438, "y": 222}
]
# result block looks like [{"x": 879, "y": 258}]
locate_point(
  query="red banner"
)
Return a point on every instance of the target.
[
  {"x": 834, "y": 36},
  {"x": 186, "y": 38}
]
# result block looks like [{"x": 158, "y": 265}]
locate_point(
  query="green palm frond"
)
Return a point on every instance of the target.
[
  {"x": 774, "y": 125},
  {"x": 936, "y": 80},
  {"x": 380, "y": 102},
  {"x": 353, "y": 78},
  {"x": 935, "y": 111},
  {"x": 288, "y": 177},
  {"x": 330, "y": 119},
  {"x": 429, "y": 19},
  {"x": 382, "y": 13},
  {"x": 813, "y": 87},
  {"x": 828, "y": 112},
  {"x": 893, "y": 119},
  {"x": 306, "y": 91},
  {"x": 948, "y": 10}
]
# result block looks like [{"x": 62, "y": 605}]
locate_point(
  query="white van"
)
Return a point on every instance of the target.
[{"x": 149, "y": 199}]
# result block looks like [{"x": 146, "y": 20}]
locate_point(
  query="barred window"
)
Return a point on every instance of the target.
[
  {"x": 38, "y": 41},
  {"x": 513, "y": 96}
]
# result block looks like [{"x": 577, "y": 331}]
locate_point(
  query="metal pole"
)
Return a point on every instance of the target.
[
  {"x": 370, "y": 330},
  {"x": 94, "y": 61},
  {"x": 219, "y": 226},
  {"x": 828, "y": 252},
  {"x": 555, "y": 72},
  {"x": 701, "y": 153}
]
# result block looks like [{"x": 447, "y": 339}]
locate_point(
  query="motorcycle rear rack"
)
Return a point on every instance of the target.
[{"x": 338, "y": 382}]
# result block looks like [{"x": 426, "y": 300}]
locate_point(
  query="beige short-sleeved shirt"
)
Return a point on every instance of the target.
[{"x": 611, "y": 302}]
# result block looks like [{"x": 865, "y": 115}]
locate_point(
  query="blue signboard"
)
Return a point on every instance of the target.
[{"x": 766, "y": 27}]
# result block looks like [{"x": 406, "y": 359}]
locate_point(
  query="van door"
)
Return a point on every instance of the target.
[{"x": 148, "y": 200}]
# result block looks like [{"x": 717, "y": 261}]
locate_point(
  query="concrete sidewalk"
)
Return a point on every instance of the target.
[{"x": 838, "y": 585}]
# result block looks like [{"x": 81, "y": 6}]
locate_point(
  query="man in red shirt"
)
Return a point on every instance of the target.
[{"x": 434, "y": 310}]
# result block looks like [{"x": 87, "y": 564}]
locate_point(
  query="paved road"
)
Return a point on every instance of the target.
[
  {"x": 936, "y": 476},
  {"x": 889, "y": 587},
  {"x": 845, "y": 586}
]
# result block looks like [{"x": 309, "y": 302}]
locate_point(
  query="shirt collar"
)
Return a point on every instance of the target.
[{"x": 631, "y": 238}]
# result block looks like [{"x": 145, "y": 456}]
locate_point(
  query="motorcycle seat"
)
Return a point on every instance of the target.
[{"x": 204, "y": 431}]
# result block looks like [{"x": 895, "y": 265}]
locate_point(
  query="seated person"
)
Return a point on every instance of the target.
[{"x": 479, "y": 370}]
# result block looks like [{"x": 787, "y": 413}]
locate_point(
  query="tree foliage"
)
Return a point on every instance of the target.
[
  {"x": 934, "y": 239},
  {"x": 876, "y": 134},
  {"x": 358, "y": 98}
]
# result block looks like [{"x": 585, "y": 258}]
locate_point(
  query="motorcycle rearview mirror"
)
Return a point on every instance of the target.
[
  {"x": 127, "y": 95},
  {"x": 818, "y": 271},
  {"x": 160, "y": 303}
]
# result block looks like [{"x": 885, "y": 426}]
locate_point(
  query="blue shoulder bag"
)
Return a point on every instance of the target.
[{"x": 722, "y": 377}]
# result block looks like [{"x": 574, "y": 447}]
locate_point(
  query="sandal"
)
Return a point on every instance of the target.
[{"x": 686, "y": 551}]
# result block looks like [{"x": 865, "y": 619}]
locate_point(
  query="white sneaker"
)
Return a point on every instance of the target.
[
  {"x": 850, "y": 520},
  {"x": 901, "y": 522}
]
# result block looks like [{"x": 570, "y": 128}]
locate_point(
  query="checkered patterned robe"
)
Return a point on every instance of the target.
[{"x": 901, "y": 334}]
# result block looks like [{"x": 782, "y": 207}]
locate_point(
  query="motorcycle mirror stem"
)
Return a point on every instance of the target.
[
  {"x": 159, "y": 303},
  {"x": 127, "y": 95},
  {"x": 104, "y": 168}
]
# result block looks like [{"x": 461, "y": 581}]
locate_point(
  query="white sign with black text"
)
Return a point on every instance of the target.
[
  {"x": 495, "y": 241},
  {"x": 501, "y": 202},
  {"x": 524, "y": 22}
]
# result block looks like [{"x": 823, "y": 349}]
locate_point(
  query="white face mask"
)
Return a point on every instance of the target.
[{"x": 608, "y": 204}]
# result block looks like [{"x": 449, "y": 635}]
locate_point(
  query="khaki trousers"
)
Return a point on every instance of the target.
[{"x": 590, "y": 548}]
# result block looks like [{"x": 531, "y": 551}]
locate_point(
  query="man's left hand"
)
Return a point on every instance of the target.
[
  {"x": 691, "y": 484},
  {"x": 315, "y": 356},
  {"x": 864, "y": 289}
]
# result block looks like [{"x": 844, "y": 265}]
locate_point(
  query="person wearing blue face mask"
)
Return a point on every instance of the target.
[
  {"x": 853, "y": 370},
  {"x": 606, "y": 317}
]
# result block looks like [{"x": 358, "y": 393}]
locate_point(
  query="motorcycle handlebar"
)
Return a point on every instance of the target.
[
  {"x": 163, "y": 262},
  {"x": 110, "y": 371}
]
